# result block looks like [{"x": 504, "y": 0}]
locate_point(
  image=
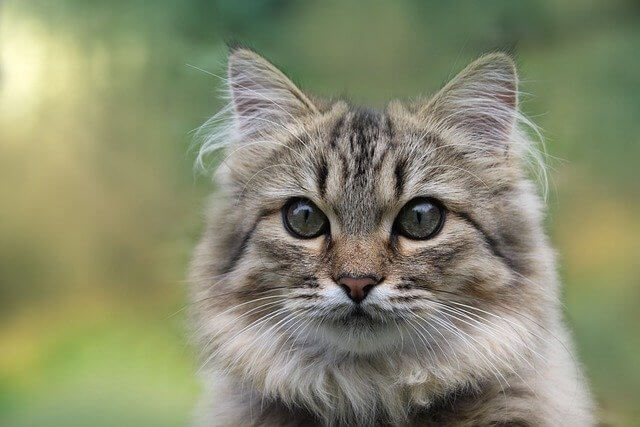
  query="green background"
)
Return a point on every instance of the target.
[{"x": 100, "y": 206}]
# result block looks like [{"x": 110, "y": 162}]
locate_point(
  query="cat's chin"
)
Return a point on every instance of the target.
[{"x": 359, "y": 333}]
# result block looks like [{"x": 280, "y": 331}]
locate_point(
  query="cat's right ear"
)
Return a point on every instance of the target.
[
  {"x": 262, "y": 97},
  {"x": 482, "y": 100}
]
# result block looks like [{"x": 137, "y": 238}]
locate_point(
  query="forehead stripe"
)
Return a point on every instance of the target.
[
  {"x": 399, "y": 173},
  {"x": 362, "y": 141},
  {"x": 322, "y": 172}
]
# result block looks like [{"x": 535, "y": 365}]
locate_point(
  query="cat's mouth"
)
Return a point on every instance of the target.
[
  {"x": 355, "y": 316},
  {"x": 358, "y": 312},
  {"x": 358, "y": 315}
]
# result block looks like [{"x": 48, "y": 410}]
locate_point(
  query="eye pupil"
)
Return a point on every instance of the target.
[
  {"x": 303, "y": 219},
  {"x": 420, "y": 219}
]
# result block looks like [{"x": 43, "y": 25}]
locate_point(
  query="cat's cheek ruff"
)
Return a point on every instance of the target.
[{"x": 290, "y": 376}]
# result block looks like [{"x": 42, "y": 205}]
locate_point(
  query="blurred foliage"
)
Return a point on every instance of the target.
[{"x": 101, "y": 207}]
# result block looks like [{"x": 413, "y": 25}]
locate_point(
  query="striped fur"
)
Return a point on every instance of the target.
[{"x": 464, "y": 329}]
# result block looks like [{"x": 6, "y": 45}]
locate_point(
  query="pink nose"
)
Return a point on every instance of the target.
[{"x": 357, "y": 288}]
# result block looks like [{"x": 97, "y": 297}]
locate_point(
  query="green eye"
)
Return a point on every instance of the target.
[
  {"x": 420, "y": 219},
  {"x": 303, "y": 219}
]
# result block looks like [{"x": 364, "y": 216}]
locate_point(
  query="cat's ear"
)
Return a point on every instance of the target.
[
  {"x": 482, "y": 100},
  {"x": 261, "y": 95}
]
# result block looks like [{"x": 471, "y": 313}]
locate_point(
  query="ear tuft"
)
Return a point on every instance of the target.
[
  {"x": 261, "y": 95},
  {"x": 482, "y": 100}
]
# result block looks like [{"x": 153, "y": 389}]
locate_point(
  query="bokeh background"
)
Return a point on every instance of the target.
[{"x": 100, "y": 205}]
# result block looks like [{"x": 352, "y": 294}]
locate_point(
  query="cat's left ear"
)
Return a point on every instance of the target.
[
  {"x": 482, "y": 100},
  {"x": 262, "y": 96}
]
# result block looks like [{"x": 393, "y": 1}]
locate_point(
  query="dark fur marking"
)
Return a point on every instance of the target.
[
  {"x": 378, "y": 165},
  {"x": 366, "y": 129},
  {"x": 345, "y": 166},
  {"x": 501, "y": 190},
  {"x": 299, "y": 141},
  {"x": 432, "y": 138},
  {"x": 491, "y": 242},
  {"x": 239, "y": 252},
  {"x": 442, "y": 256},
  {"x": 279, "y": 250},
  {"x": 352, "y": 141},
  {"x": 444, "y": 411},
  {"x": 305, "y": 297},
  {"x": 322, "y": 173},
  {"x": 399, "y": 174},
  {"x": 309, "y": 282}
]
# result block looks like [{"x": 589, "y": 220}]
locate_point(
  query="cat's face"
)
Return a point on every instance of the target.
[{"x": 368, "y": 231}]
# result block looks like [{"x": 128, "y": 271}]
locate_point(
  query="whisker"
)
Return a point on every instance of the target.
[
  {"x": 423, "y": 338},
  {"x": 260, "y": 321},
  {"x": 209, "y": 298},
  {"x": 479, "y": 327},
  {"x": 453, "y": 352},
  {"x": 491, "y": 353},
  {"x": 259, "y": 309},
  {"x": 276, "y": 326},
  {"x": 496, "y": 326},
  {"x": 461, "y": 334}
]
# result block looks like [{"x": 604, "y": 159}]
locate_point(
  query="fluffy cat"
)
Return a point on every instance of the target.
[{"x": 365, "y": 267}]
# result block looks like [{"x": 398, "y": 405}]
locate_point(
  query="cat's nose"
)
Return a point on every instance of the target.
[{"x": 358, "y": 287}]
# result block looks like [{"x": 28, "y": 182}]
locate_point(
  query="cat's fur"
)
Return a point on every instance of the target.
[{"x": 465, "y": 329}]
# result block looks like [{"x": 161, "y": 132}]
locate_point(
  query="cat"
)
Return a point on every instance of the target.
[{"x": 364, "y": 267}]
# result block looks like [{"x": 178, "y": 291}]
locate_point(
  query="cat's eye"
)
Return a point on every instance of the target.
[
  {"x": 420, "y": 219},
  {"x": 303, "y": 219}
]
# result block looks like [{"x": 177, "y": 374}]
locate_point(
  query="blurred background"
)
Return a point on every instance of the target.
[{"x": 100, "y": 206}]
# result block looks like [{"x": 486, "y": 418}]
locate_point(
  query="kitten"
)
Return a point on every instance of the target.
[{"x": 379, "y": 268}]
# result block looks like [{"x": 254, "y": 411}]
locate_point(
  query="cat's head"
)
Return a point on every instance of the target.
[{"x": 365, "y": 231}]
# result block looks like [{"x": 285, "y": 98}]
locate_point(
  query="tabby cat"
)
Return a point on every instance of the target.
[{"x": 364, "y": 267}]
